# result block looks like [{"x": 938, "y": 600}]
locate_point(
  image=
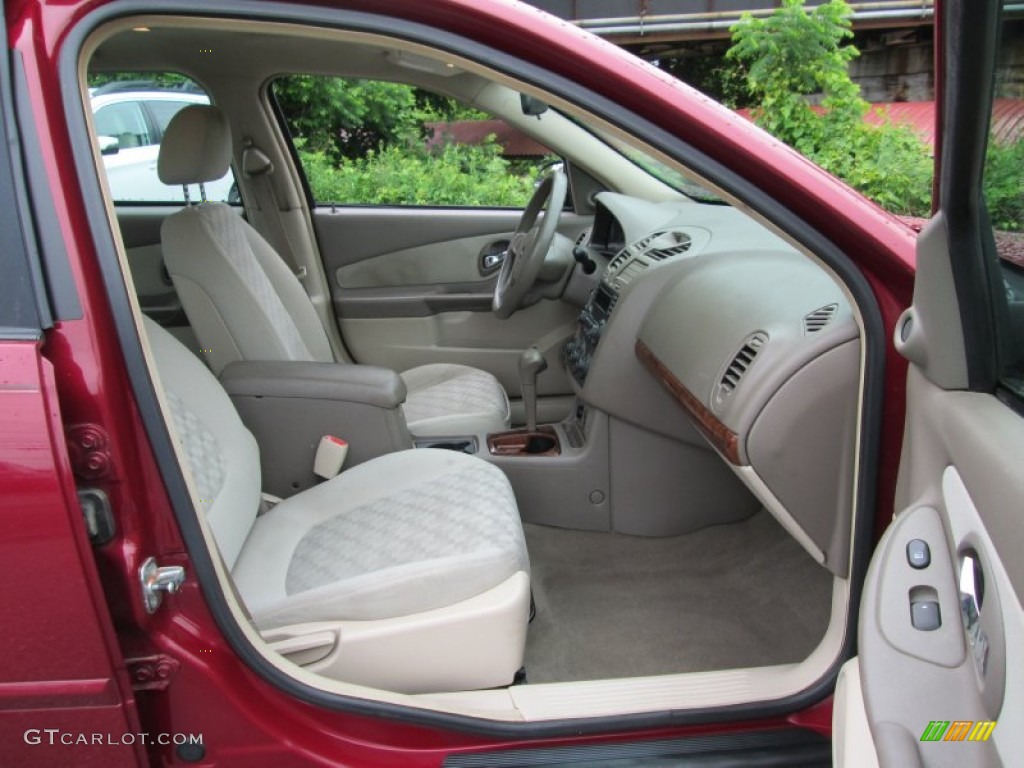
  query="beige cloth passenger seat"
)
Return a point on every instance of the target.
[{"x": 408, "y": 572}]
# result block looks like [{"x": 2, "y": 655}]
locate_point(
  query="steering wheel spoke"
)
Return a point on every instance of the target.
[{"x": 529, "y": 245}]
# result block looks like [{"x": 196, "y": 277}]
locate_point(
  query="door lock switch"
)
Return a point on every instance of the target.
[
  {"x": 918, "y": 554},
  {"x": 925, "y": 615}
]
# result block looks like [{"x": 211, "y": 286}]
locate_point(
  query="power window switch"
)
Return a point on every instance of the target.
[
  {"x": 925, "y": 616},
  {"x": 918, "y": 554}
]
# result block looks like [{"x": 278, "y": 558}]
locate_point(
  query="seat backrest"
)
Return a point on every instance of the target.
[
  {"x": 240, "y": 297},
  {"x": 220, "y": 452}
]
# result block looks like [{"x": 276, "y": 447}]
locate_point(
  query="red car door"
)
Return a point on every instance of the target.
[{"x": 64, "y": 691}]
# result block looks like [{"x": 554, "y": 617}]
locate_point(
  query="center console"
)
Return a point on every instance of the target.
[{"x": 579, "y": 350}]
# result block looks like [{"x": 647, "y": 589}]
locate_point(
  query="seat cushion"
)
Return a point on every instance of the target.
[
  {"x": 401, "y": 534},
  {"x": 447, "y": 400}
]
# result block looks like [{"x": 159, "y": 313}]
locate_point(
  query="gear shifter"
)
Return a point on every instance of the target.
[{"x": 531, "y": 363}]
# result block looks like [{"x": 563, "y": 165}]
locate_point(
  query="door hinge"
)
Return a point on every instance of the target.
[
  {"x": 155, "y": 581},
  {"x": 152, "y": 673}
]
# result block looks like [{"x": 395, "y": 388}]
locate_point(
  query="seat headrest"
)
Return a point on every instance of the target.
[{"x": 196, "y": 147}]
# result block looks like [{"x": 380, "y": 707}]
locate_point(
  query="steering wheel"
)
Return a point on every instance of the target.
[{"x": 529, "y": 245}]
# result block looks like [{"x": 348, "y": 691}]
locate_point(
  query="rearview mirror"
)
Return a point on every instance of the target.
[{"x": 531, "y": 106}]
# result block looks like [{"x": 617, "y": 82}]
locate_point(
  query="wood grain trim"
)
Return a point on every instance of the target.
[{"x": 719, "y": 435}]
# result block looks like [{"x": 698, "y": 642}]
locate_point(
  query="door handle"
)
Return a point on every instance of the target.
[
  {"x": 493, "y": 256},
  {"x": 492, "y": 261}
]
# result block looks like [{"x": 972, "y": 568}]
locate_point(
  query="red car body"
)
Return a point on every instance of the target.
[{"x": 78, "y": 646}]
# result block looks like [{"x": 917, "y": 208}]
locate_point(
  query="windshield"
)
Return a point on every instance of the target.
[{"x": 664, "y": 173}]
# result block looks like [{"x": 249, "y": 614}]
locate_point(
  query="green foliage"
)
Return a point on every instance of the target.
[
  {"x": 365, "y": 142},
  {"x": 450, "y": 174},
  {"x": 344, "y": 118},
  {"x": 888, "y": 164},
  {"x": 706, "y": 70},
  {"x": 796, "y": 56},
  {"x": 1004, "y": 173},
  {"x": 793, "y": 54}
]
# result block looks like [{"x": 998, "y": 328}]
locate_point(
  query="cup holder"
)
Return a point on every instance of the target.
[
  {"x": 542, "y": 442},
  {"x": 539, "y": 444}
]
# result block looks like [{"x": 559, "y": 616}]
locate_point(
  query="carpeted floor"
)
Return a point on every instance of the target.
[{"x": 610, "y": 605}]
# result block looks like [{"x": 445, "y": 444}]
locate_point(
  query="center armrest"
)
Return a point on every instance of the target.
[
  {"x": 290, "y": 406},
  {"x": 366, "y": 384}
]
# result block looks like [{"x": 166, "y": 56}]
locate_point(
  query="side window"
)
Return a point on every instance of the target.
[
  {"x": 1004, "y": 199},
  {"x": 131, "y": 113},
  {"x": 163, "y": 110},
  {"x": 364, "y": 142},
  {"x": 124, "y": 122}
]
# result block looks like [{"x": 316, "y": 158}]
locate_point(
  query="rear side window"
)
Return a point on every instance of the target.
[
  {"x": 124, "y": 122},
  {"x": 131, "y": 113},
  {"x": 163, "y": 111}
]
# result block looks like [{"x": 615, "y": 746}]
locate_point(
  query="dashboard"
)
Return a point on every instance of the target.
[{"x": 754, "y": 343}]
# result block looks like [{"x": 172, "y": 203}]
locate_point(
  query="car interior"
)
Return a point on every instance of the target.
[{"x": 612, "y": 470}]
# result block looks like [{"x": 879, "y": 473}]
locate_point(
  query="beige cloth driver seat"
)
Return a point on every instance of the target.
[
  {"x": 408, "y": 572},
  {"x": 245, "y": 304}
]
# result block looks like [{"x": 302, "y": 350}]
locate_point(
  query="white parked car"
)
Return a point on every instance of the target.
[{"x": 130, "y": 124}]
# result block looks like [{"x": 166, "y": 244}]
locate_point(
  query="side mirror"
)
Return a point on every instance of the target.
[{"x": 109, "y": 145}]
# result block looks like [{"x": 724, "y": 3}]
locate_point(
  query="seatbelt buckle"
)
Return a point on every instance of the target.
[{"x": 330, "y": 456}]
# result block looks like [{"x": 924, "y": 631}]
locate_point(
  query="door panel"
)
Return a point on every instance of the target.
[
  {"x": 962, "y": 490},
  {"x": 140, "y": 230},
  {"x": 449, "y": 261},
  {"x": 941, "y": 620},
  {"x": 469, "y": 338},
  {"x": 410, "y": 288},
  {"x": 372, "y": 247}
]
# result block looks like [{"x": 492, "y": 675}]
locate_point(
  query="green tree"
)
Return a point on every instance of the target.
[
  {"x": 365, "y": 142},
  {"x": 792, "y": 55},
  {"x": 344, "y": 118},
  {"x": 1004, "y": 174},
  {"x": 796, "y": 69},
  {"x": 448, "y": 174}
]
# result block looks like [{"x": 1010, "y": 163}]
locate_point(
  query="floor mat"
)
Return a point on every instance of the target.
[{"x": 610, "y": 605}]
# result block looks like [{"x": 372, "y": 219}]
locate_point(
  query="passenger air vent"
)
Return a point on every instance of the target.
[
  {"x": 739, "y": 366},
  {"x": 631, "y": 270},
  {"x": 662, "y": 252},
  {"x": 819, "y": 318}
]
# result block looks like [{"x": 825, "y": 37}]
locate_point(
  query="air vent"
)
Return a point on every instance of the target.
[
  {"x": 666, "y": 252},
  {"x": 618, "y": 261},
  {"x": 660, "y": 254},
  {"x": 819, "y": 318},
  {"x": 631, "y": 270},
  {"x": 739, "y": 366}
]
